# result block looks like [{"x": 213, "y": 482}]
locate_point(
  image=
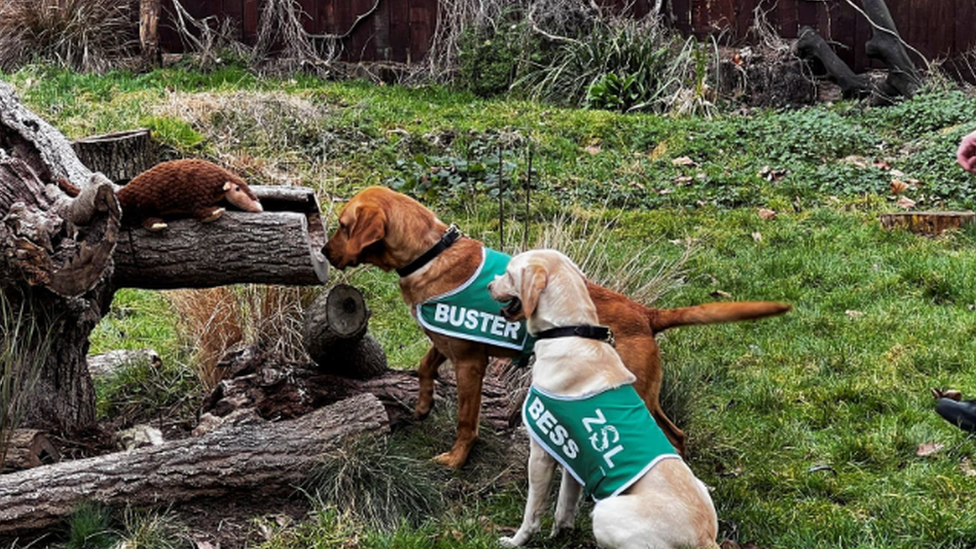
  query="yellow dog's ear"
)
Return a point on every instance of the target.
[
  {"x": 368, "y": 227},
  {"x": 534, "y": 280}
]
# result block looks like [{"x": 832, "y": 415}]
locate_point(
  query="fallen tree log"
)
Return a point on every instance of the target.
[
  {"x": 811, "y": 45},
  {"x": 109, "y": 363},
  {"x": 244, "y": 453},
  {"x": 272, "y": 247}
]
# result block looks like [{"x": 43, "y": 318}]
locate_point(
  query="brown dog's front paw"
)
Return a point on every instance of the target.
[
  {"x": 450, "y": 459},
  {"x": 420, "y": 413}
]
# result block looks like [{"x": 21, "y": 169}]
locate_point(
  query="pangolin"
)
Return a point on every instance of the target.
[{"x": 180, "y": 188}]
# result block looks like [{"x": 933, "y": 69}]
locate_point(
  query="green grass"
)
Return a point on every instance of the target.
[{"x": 806, "y": 425}]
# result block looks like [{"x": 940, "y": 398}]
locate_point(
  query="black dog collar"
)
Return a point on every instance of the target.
[
  {"x": 447, "y": 240},
  {"x": 599, "y": 333}
]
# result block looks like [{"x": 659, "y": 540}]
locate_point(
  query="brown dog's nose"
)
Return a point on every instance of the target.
[{"x": 332, "y": 256}]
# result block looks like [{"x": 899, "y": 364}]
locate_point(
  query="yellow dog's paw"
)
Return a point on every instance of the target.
[{"x": 507, "y": 542}]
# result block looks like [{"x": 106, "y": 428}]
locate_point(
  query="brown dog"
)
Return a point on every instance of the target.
[{"x": 391, "y": 230}]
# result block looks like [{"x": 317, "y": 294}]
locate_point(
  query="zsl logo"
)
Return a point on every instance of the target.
[{"x": 602, "y": 436}]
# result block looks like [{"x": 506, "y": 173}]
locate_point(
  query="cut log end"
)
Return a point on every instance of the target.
[
  {"x": 346, "y": 311},
  {"x": 334, "y": 334},
  {"x": 28, "y": 448}
]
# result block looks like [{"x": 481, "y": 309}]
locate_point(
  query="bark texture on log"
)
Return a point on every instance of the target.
[
  {"x": 929, "y": 223},
  {"x": 120, "y": 156},
  {"x": 32, "y": 139},
  {"x": 244, "y": 453},
  {"x": 272, "y": 247},
  {"x": 28, "y": 448}
]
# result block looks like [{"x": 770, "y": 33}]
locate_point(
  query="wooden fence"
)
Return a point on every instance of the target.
[{"x": 401, "y": 30}]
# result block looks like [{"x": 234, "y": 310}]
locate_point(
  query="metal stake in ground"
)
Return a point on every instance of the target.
[
  {"x": 528, "y": 190},
  {"x": 501, "y": 201}
]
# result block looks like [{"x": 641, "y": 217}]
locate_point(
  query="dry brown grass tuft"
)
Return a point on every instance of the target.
[
  {"x": 588, "y": 239},
  {"x": 215, "y": 321},
  {"x": 86, "y": 35}
]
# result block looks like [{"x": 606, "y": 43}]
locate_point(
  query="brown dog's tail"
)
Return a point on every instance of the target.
[{"x": 713, "y": 313}]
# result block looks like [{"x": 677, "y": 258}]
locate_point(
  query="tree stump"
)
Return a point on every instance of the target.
[
  {"x": 334, "y": 334},
  {"x": 55, "y": 269},
  {"x": 120, "y": 156},
  {"x": 927, "y": 223},
  {"x": 28, "y": 448}
]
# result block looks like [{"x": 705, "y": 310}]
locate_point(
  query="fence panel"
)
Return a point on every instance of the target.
[{"x": 401, "y": 30}]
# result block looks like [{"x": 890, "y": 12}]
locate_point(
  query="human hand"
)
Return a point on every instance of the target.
[{"x": 966, "y": 155}]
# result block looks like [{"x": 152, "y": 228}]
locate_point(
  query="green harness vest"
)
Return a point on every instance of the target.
[
  {"x": 470, "y": 313},
  {"x": 607, "y": 441}
]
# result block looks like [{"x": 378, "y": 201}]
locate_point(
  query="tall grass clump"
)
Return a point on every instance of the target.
[
  {"x": 85, "y": 35},
  {"x": 620, "y": 64},
  {"x": 153, "y": 529},
  {"x": 214, "y": 321},
  {"x": 589, "y": 241},
  {"x": 379, "y": 488},
  {"x": 22, "y": 353}
]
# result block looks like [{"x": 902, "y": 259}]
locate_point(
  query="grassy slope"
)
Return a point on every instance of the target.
[{"x": 842, "y": 381}]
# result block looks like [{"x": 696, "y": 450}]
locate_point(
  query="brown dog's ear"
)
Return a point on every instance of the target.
[
  {"x": 369, "y": 227},
  {"x": 534, "y": 280}
]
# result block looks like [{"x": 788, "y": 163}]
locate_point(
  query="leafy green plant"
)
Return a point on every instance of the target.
[
  {"x": 620, "y": 64},
  {"x": 931, "y": 110},
  {"x": 453, "y": 178},
  {"x": 614, "y": 93},
  {"x": 88, "y": 528}
]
